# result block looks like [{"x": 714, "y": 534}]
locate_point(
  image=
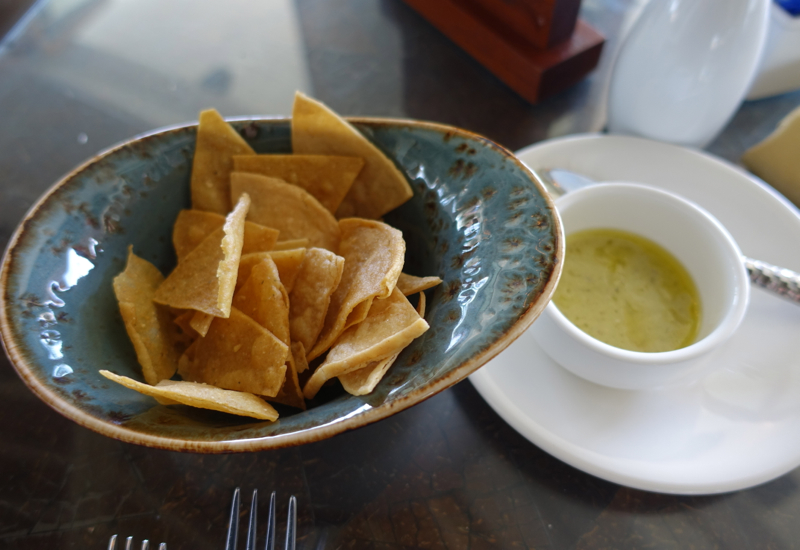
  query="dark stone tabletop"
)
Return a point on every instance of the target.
[{"x": 81, "y": 75}]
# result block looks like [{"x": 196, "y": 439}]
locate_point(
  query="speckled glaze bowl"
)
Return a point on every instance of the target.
[{"x": 477, "y": 220}]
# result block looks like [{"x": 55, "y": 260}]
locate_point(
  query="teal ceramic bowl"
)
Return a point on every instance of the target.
[{"x": 477, "y": 220}]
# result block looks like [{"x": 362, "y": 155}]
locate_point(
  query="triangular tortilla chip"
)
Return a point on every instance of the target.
[
  {"x": 299, "y": 354},
  {"x": 237, "y": 354},
  {"x": 364, "y": 379},
  {"x": 327, "y": 178},
  {"x": 206, "y": 278},
  {"x": 409, "y": 284},
  {"x": 317, "y": 280},
  {"x": 216, "y": 144},
  {"x": 201, "y": 396},
  {"x": 149, "y": 325},
  {"x": 373, "y": 255},
  {"x": 379, "y": 187},
  {"x": 291, "y": 394},
  {"x": 193, "y": 226},
  {"x": 288, "y": 263},
  {"x": 287, "y": 208},
  {"x": 184, "y": 322},
  {"x": 264, "y": 299},
  {"x": 200, "y": 322},
  {"x": 289, "y": 245},
  {"x": 392, "y": 324}
]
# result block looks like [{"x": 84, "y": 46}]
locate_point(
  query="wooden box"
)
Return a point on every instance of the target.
[{"x": 506, "y": 36}]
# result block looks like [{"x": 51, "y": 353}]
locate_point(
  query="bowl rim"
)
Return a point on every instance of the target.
[
  {"x": 735, "y": 310},
  {"x": 122, "y": 433}
]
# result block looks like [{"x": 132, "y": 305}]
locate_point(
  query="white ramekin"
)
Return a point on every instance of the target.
[{"x": 697, "y": 240}]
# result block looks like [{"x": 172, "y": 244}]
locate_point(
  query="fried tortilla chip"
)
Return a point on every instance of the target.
[
  {"x": 200, "y": 322},
  {"x": 288, "y": 208},
  {"x": 318, "y": 278},
  {"x": 373, "y": 255},
  {"x": 289, "y": 245},
  {"x": 379, "y": 187},
  {"x": 201, "y": 396},
  {"x": 237, "y": 354},
  {"x": 184, "y": 322},
  {"x": 192, "y": 226},
  {"x": 264, "y": 299},
  {"x": 149, "y": 325},
  {"x": 206, "y": 278},
  {"x": 409, "y": 284},
  {"x": 288, "y": 263},
  {"x": 392, "y": 323},
  {"x": 364, "y": 379},
  {"x": 299, "y": 354},
  {"x": 327, "y": 178},
  {"x": 291, "y": 393},
  {"x": 217, "y": 142}
]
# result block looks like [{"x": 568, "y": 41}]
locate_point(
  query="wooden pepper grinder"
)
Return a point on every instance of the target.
[{"x": 537, "y": 47}]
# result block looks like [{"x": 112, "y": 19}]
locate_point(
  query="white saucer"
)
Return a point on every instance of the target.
[{"x": 738, "y": 427}]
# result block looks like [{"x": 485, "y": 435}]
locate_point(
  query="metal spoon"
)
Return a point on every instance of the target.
[{"x": 782, "y": 282}]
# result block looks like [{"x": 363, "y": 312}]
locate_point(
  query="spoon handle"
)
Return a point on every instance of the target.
[{"x": 783, "y": 282}]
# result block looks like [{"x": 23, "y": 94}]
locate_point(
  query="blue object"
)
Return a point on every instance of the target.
[
  {"x": 792, "y": 6},
  {"x": 476, "y": 220}
]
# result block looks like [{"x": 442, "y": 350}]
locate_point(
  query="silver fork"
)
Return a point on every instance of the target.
[
  {"x": 233, "y": 523},
  {"x": 112, "y": 544}
]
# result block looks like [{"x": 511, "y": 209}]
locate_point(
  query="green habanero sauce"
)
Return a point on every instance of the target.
[{"x": 627, "y": 291}]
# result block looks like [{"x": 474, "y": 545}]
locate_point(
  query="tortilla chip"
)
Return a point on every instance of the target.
[
  {"x": 263, "y": 299},
  {"x": 364, "y": 379},
  {"x": 392, "y": 324},
  {"x": 288, "y": 208},
  {"x": 379, "y": 187},
  {"x": 206, "y": 278},
  {"x": 149, "y": 325},
  {"x": 237, "y": 354},
  {"x": 299, "y": 354},
  {"x": 216, "y": 144},
  {"x": 289, "y": 245},
  {"x": 192, "y": 226},
  {"x": 421, "y": 304},
  {"x": 373, "y": 255},
  {"x": 318, "y": 278},
  {"x": 201, "y": 396},
  {"x": 291, "y": 394},
  {"x": 409, "y": 284},
  {"x": 326, "y": 178},
  {"x": 288, "y": 263},
  {"x": 200, "y": 322},
  {"x": 183, "y": 321}
]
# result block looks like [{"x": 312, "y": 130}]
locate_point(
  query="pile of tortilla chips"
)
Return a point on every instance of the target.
[{"x": 285, "y": 278}]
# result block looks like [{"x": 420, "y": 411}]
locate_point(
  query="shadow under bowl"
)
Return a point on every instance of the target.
[{"x": 477, "y": 220}]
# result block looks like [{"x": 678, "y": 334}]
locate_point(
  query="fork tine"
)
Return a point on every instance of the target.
[
  {"x": 233, "y": 525},
  {"x": 291, "y": 524},
  {"x": 112, "y": 544},
  {"x": 251, "y": 529},
  {"x": 271, "y": 523}
]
